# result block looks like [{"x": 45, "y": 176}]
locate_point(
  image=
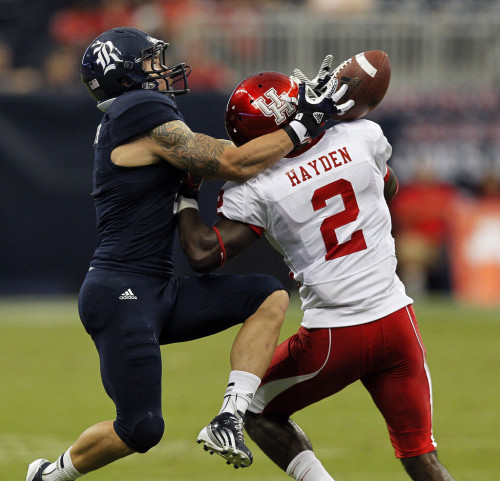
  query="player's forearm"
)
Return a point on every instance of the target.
[
  {"x": 198, "y": 241},
  {"x": 391, "y": 185},
  {"x": 242, "y": 163},
  {"x": 201, "y": 154}
]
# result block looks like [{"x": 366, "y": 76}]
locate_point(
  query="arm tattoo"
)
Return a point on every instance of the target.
[{"x": 189, "y": 151}]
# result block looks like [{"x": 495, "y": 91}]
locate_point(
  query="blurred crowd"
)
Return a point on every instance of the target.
[
  {"x": 446, "y": 152},
  {"x": 42, "y": 41}
]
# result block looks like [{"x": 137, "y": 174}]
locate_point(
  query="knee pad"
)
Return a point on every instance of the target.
[{"x": 146, "y": 433}]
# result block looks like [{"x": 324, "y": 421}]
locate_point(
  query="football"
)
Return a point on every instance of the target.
[{"x": 367, "y": 76}]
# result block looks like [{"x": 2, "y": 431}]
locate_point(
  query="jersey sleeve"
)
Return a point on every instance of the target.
[
  {"x": 241, "y": 202},
  {"x": 141, "y": 111},
  {"x": 380, "y": 147}
]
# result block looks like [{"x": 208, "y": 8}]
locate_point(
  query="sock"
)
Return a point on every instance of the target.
[
  {"x": 240, "y": 392},
  {"x": 61, "y": 470},
  {"x": 306, "y": 467}
]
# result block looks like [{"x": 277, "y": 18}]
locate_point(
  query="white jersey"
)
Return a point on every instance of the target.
[{"x": 325, "y": 212}]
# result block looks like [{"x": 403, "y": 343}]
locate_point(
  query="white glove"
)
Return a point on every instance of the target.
[{"x": 342, "y": 108}]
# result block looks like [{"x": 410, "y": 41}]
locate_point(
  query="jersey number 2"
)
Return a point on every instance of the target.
[{"x": 350, "y": 213}]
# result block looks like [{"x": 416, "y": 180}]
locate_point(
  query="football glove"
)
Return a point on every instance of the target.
[
  {"x": 190, "y": 186},
  {"x": 318, "y": 84},
  {"x": 313, "y": 111}
]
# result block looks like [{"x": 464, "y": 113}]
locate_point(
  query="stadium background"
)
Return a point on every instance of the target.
[{"x": 442, "y": 117}]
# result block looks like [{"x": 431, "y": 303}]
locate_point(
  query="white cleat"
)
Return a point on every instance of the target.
[{"x": 36, "y": 468}]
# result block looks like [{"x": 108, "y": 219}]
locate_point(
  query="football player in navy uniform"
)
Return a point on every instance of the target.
[{"x": 129, "y": 302}]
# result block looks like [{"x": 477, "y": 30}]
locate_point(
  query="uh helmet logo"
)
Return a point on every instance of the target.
[
  {"x": 280, "y": 106},
  {"x": 107, "y": 55}
]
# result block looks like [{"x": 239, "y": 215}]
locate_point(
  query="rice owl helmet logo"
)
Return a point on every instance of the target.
[
  {"x": 107, "y": 55},
  {"x": 280, "y": 106}
]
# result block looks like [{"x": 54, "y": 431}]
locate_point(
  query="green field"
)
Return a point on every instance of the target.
[{"x": 51, "y": 391}]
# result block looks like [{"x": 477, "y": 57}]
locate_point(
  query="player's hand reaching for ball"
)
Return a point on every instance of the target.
[
  {"x": 314, "y": 110},
  {"x": 318, "y": 85}
]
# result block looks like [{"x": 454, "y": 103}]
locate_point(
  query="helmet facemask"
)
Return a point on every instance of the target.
[{"x": 175, "y": 76}]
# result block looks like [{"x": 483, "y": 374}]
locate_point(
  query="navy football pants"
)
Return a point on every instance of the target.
[{"x": 129, "y": 316}]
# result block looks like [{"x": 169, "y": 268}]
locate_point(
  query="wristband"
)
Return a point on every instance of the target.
[
  {"x": 296, "y": 131},
  {"x": 186, "y": 203}
]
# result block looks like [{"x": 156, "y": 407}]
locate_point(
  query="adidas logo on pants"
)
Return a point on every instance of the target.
[{"x": 128, "y": 294}]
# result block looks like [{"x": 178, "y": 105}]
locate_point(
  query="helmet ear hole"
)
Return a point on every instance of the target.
[{"x": 125, "y": 81}]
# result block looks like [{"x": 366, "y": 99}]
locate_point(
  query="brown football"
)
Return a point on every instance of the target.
[{"x": 367, "y": 76}]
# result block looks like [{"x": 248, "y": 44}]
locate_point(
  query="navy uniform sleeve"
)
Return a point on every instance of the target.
[{"x": 140, "y": 111}]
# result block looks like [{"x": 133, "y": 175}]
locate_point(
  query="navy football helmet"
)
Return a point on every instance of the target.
[{"x": 114, "y": 63}]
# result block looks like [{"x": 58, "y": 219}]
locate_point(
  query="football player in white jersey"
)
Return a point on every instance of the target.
[{"x": 324, "y": 208}]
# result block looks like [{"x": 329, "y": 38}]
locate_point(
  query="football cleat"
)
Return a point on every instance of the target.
[
  {"x": 224, "y": 436},
  {"x": 35, "y": 470}
]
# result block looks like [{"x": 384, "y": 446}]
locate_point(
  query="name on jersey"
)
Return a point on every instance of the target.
[{"x": 313, "y": 168}]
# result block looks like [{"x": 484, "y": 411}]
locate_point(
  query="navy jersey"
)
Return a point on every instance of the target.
[{"x": 134, "y": 205}]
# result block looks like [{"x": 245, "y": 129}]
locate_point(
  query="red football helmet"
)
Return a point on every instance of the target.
[{"x": 260, "y": 104}]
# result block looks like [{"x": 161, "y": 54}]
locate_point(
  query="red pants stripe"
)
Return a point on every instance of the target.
[{"x": 387, "y": 356}]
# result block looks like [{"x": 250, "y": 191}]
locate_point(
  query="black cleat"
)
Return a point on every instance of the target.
[{"x": 224, "y": 436}]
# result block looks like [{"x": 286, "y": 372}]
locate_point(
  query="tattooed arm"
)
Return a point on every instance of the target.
[
  {"x": 174, "y": 142},
  {"x": 217, "y": 159}
]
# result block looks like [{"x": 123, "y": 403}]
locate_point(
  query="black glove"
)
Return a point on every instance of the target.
[
  {"x": 312, "y": 111},
  {"x": 190, "y": 186},
  {"x": 318, "y": 84}
]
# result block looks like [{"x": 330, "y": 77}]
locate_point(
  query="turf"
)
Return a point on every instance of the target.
[{"x": 51, "y": 392}]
